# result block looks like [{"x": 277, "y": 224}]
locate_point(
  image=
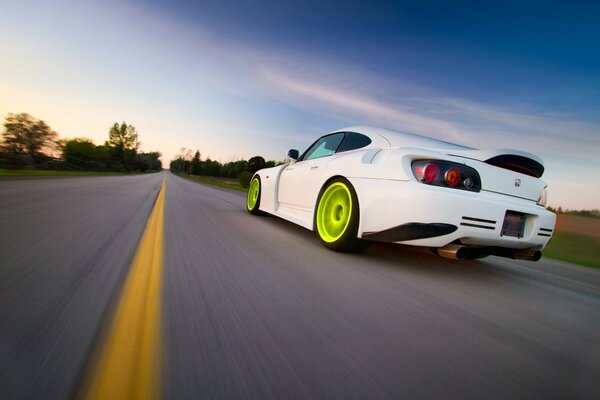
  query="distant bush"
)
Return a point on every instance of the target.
[
  {"x": 244, "y": 178},
  {"x": 234, "y": 168}
]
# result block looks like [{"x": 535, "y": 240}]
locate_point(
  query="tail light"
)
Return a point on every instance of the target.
[
  {"x": 446, "y": 174},
  {"x": 431, "y": 172},
  {"x": 452, "y": 177},
  {"x": 543, "y": 199}
]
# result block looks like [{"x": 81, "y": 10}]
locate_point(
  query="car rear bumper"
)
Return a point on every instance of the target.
[{"x": 393, "y": 210}]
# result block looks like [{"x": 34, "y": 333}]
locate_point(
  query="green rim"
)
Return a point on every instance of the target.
[
  {"x": 334, "y": 212},
  {"x": 253, "y": 192}
]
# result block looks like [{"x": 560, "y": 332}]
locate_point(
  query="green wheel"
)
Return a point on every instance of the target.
[
  {"x": 337, "y": 217},
  {"x": 253, "y": 199}
]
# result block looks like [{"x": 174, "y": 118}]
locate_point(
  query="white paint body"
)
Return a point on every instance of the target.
[{"x": 389, "y": 195}]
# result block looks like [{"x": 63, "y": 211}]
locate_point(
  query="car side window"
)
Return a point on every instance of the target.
[
  {"x": 325, "y": 146},
  {"x": 354, "y": 141}
]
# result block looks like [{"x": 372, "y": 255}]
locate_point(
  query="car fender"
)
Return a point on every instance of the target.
[{"x": 269, "y": 178}]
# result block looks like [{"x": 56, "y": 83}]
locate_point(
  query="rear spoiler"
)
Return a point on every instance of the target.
[
  {"x": 517, "y": 163},
  {"x": 513, "y": 160}
]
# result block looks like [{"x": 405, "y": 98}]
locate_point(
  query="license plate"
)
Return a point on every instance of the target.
[{"x": 514, "y": 224}]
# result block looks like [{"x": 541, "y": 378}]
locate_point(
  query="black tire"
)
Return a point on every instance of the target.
[{"x": 327, "y": 210}]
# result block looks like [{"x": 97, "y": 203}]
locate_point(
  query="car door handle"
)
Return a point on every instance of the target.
[{"x": 314, "y": 167}]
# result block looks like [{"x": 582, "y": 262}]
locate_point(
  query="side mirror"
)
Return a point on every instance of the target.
[{"x": 293, "y": 154}]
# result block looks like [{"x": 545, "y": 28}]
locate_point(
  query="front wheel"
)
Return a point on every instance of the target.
[
  {"x": 253, "y": 199},
  {"x": 337, "y": 217}
]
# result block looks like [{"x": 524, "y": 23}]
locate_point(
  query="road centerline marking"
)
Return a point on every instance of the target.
[{"x": 128, "y": 361}]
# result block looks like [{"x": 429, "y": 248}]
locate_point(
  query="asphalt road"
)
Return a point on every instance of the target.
[{"x": 254, "y": 307}]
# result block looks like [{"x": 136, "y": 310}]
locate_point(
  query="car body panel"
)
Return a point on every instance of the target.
[
  {"x": 391, "y": 200},
  {"x": 409, "y": 202}
]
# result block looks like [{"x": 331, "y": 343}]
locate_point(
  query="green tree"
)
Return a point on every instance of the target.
[
  {"x": 102, "y": 155},
  {"x": 82, "y": 152},
  {"x": 244, "y": 178},
  {"x": 78, "y": 150},
  {"x": 233, "y": 168},
  {"x": 25, "y": 134},
  {"x": 185, "y": 155},
  {"x": 182, "y": 163},
  {"x": 212, "y": 167},
  {"x": 147, "y": 161},
  {"x": 256, "y": 163},
  {"x": 196, "y": 164},
  {"x": 177, "y": 165},
  {"x": 123, "y": 139}
]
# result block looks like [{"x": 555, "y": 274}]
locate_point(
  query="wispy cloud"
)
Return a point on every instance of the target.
[
  {"x": 328, "y": 87},
  {"x": 322, "y": 98},
  {"x": 431, "y": 114}
]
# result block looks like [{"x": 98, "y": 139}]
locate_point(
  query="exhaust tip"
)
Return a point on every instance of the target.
[
  {"x": 529, "y": 255},
  {"x": 462, "y": 253},
  {"x": 453, "y": 251}
]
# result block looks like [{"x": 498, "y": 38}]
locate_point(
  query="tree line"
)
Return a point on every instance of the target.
[
  {"x": 595, "y": 213},
  {"x": 28, "y": 142},
  {"x": 189, "y": 164}
]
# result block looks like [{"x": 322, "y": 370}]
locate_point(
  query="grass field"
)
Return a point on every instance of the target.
[
  {"x": 588, "y": 226},
  {"x": 574, "y": 248},
  {"x": 43, "y": 172},
  {"x": 227, "y": 183}
]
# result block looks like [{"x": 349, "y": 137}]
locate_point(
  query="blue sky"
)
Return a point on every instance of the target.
[{"x": 236, "y": 79}]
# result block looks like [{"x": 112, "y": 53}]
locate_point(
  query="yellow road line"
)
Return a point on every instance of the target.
[{"x": 128, "y": 364}]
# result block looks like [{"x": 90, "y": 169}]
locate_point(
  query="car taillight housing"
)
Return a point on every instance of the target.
[
  {"x": 446, "y": 174},
  {"x": 543, "y": 199}
]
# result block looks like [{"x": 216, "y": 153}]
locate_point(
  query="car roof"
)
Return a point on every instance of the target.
[{"x": 382, "y": 137}]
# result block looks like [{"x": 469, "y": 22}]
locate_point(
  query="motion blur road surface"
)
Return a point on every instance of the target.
[{"x": 255, "y": 308}]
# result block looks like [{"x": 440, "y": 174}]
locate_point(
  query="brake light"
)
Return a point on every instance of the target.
[
  {"x": 446, "y": 174},
  {"x": 430, "y": 173}
]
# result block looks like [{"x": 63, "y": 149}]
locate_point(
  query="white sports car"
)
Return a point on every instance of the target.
[{"x": 364, "y": 184}]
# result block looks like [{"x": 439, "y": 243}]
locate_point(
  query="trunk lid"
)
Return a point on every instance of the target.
[{"x": 510, "y": 172}]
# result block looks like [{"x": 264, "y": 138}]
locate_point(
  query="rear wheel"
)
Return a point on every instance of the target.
[
  {"x": 337, "y": 217},
  {"x": 253, "y": 199}
]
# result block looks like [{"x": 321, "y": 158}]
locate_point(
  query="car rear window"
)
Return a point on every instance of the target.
[{"x": 354, "y": 141}]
